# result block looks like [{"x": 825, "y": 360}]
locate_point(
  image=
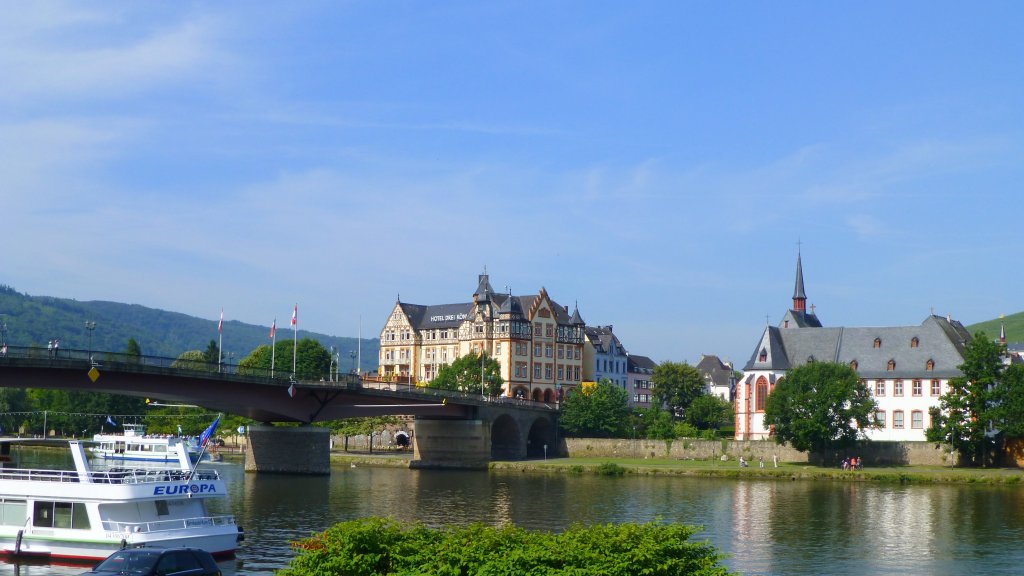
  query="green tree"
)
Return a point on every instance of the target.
[
  {"x": 133, "y": 352},
  {"x": 653, "y": 423},
  {"x": 600, "y": 411},
  {"x": 709, "y": 412},
  {"x": 819, "y": 407},
  {"x": 965, "y": 413},
  {"x": 194, "y": 360},
  {"x": 464, "y": 375},
  {"x": 212, "y": 353},
  {"x": 313, "y": 361},
  {"x": 676, "y": 385},
  {"x": 1008, "y": 400}
]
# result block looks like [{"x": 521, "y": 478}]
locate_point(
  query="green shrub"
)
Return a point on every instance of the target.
[
  {"x": 375, "y": 546},
  {"x": 684, "y": 430},
  {"x": 610, "y": 469},
  {"x": 576, "y": 470}
]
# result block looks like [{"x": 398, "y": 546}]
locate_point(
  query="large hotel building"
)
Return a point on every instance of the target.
[{"x": 538, "y": 344}]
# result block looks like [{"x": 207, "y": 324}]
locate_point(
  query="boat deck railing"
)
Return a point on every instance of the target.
[
  {"x": 111, "y": 476},
  {"x": 168, "y": 525}
]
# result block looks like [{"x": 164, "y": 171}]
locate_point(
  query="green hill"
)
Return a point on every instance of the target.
[
  {"x": 1014, "y": 327},
  {"x": 34, "y": 320}
]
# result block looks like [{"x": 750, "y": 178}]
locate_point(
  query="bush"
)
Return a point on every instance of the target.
[
  {"x": 376, "y": 546},
  {"x": 684, "y": 430},
  {"x": 610, "y": 469}
]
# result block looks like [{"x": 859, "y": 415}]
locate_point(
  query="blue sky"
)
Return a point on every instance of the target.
[{"x": 656, "y": 162}]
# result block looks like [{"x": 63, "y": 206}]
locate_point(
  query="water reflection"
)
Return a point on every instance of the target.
[{"x": 768, "y": 527}]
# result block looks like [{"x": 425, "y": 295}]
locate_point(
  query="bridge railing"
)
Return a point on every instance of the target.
[
  {"x": 417, "y": 391},
  {"x": 73, "y": 357}
]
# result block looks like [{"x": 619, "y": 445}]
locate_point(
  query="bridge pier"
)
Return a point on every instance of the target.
[
  {"x": 451, "y": 444},
  {"x": 288, "y": 450}
]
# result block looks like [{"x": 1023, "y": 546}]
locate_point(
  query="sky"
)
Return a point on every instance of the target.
[{"x": 659, "y": 164}]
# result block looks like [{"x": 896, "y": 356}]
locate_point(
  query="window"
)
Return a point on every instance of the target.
[
  {"x": 897, "y": 419},
  {"x": 547, "y": 371},
  {"x": 916, "y": 391},
  {"x": 891, "y": 365},
  {"x": 914, "y": 342},
  {"x": 549, "y": 330},
  {"x": 929, "y": 365},
  {"x": 560, "y": 372},
  {"x": 536, "y": 371},
  {"x": 547, "y": 350},
  {"x": 917, "y": 420},
  {"x": 643, "y": 398},
  {"x": 536, "y": 349},
  {"x": 936, "y": 388},
  {"x": 47, "y": 514},
  {"x": 561, "y": 351},
  {"x": 577, "y": 354},
  {"x": 497, "y": 348},
  {"x": 879, "y": 387},
  {"x": 880, "y": 419},
  {"x": 878, "y": 343},
  {"x": 853, "y": 364},
  {"x": 14, "y": 512},
  {"x": 763, "y": 356},
  {"x": 897, "y": 388},
  {"x": 537, "y": 330},
  {"x": 762, "y": 394}
]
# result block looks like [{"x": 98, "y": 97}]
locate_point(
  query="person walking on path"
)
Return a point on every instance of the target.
[{"x": 49, "y": 349}]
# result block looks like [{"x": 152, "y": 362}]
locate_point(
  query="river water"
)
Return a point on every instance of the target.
[{"x": 769, "y": 527}]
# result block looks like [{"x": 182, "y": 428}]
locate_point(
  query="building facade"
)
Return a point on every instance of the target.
[
  {"x": 639, "y": 370},
  {"x": 719, "y": 377},
  {"x": 604, "y": 356},
  {"x": 535, "y": 340},
  {"x": 907, "y": 368}
]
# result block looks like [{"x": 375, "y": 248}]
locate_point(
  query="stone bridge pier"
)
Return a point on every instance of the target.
[{"x": 496, "y": 433}]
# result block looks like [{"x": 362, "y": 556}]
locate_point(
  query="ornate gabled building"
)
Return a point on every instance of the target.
[
  {"x": 538, "y": 344},
  {"x": 906, "y": 368}
]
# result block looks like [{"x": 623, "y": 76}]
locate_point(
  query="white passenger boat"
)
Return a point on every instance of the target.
[
  {"x": 83, "y": 514},
  {"x": 135, "y": 445}
]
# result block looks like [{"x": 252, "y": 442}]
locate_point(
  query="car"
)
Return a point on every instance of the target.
[{"x": 157, "y": 562}]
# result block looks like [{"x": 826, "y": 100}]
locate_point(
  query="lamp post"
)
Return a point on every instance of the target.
[
  {"x": 91, "y": 327},
  {"x": 330, "y": 367},
  {"x": 352, "y": 356}
]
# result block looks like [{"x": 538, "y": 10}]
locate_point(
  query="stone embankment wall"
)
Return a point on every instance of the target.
[{"x": 874, "y": 453}]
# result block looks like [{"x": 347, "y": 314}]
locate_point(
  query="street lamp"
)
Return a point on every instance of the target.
[
  {"x": 330, "y": 367},
  {"x": 91, "y": 327},
  {"x": 352, "y": 355}
]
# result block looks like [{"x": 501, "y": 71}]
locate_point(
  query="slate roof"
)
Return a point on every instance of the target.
[
  {"x": 637, "y": 363},
  {"x": 939, "y": 339},
  {"x": 713, "y": 367},
  {"x": 800, "y": 320},
  {"x": 604, "y": 340},
  {"x": 436, "y": 316}
]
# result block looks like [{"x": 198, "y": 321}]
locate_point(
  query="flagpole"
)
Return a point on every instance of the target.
[
  {"x": 273, "y": 346},
  {"x": 359, "y": 347},
  {"x": 295, "y": 337},
  {"x": 220, "y": 335}
]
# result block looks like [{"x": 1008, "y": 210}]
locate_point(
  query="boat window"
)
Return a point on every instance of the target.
[
  {"x": 42, "y": 514},
  {"x": 13, "y": 512},
  {"x": 48, "y": 514},
  {"x": 161, "y": 508}
]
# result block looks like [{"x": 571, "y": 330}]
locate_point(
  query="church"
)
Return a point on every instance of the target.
[{"x": 906, "y": 368}]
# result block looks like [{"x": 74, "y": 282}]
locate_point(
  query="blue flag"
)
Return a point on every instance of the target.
[
  {"x": 205, "y": 436},
  {"x": 111, "y": 421}
]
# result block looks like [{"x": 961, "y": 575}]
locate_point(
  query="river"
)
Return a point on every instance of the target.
[{"x": 768, "y": 527}]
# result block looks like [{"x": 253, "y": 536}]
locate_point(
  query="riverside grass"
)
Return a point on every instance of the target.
[{"x": 382, "y": 546}]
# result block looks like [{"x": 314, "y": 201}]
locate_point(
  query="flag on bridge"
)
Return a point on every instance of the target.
[
  {"x": 208, "y": 433},
  {"x": 111, "y": 421},
  {"x": 291, "y": 390},
  {"x": 273, "y": 329},
  {"x": 220, "y": 325},
  {"x": 295, "y": 315}
]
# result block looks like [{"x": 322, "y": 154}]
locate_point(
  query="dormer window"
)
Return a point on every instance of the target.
[
  {"x": 891, "y": 365},
  {"x": 929, "y": 365},
  {"x": 853, "y": 364},
  {"x": 914, "y": 342},
  {"x": 763, "y": 356},
  {"x": 878, "y": 343}
]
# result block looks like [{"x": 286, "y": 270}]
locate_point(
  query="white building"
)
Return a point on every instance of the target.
[{"x": 906, "y": 368}]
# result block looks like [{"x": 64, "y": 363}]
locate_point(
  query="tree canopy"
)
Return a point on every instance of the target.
[
  {"x": 464, "y": 375},
  {"x": 709, "y": 412},
  {"x": 676, "y": 385},
  {"x": 313, "y": 361},
  {"x": 966, "y": 412},
  {"x": 819, "y": 406},
  {"x": 600, "y": 411}
]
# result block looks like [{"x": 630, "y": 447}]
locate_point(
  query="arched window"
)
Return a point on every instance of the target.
[
  {"x": 914, "y": 342},
  {"x": 853, "y": 364},
  {"x": 891, "y": 365},
  {"x": 929, "y": 365},
  {"x": 878, "y": 343},
  {"x": 761, "y": 389}
]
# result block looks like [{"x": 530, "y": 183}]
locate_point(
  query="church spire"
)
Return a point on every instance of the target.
[{"x": 799, "y": 297}]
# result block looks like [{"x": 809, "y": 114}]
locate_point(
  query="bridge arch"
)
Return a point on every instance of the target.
[
  {"x": 542, "y": 433},
  {"x": 506, "y": 439}
]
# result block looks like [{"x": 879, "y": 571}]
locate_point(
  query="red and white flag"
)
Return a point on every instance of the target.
[
  {"x": 291, "y": 390},
  {"x": 295, "y": 315},
  {"x": 220, "y": 325},
  {"x": 273, "y": 329}
]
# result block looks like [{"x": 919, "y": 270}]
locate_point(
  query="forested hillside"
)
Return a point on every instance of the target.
[
  {"x": 34, "y": 320},
  {"x": 1014, "y": 327}
]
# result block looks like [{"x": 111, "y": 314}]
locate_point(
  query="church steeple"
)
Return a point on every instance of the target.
[{"x": 799, "y": 297}]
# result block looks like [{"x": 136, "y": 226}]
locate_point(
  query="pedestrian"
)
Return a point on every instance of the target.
[
  {"x": 49, "y": 349},
  {"x": 846, "y": 464},
  {"x": 3, "y": 350},
  {"x": 760, "y": 461},
  {"x": 56, "y": 346},
  {"x": 743, "y": 462},
  {"x": 775, "y": 460}
]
